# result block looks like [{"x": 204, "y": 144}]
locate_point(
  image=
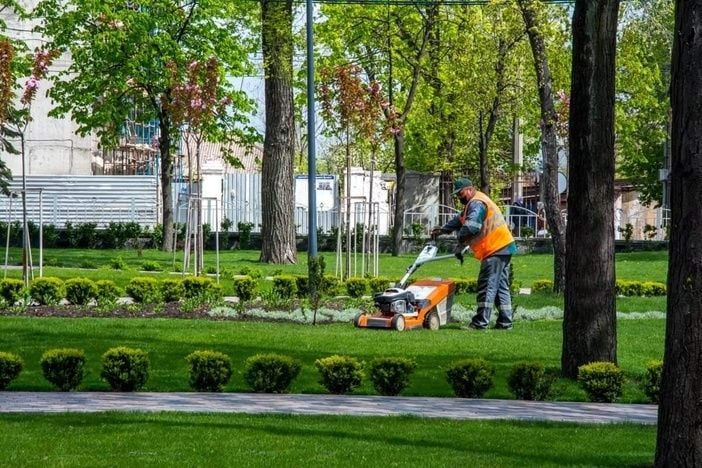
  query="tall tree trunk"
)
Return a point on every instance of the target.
[
  {"x": 549, "y": 143},
  {"x": 589, "y": 324},
  {"x": 398, "y": 221},
  {"x": 278, "y": 228},
  {"x": 680, "y": 411},
  {"x": 164, "y": 145}
]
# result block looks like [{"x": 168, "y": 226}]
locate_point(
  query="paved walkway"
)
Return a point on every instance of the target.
[{"x": 454, "y": 408}]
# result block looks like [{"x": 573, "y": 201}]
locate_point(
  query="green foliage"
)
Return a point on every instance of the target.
[
  {"x": 651, "y": 385},
  {"x": 107, "y": 292},
  {"x": 47, "y": 290},
  {"x": 627, "y": 231},
  {"x": 330, "y": 285},
  {"x": 530, "y": 381},
  {"x": 542, "y": 286},
  {"x": 87, "y": 235},
  {"x": 465, "y": 286},
  {"x": 602, "y": 381},
  {"x": 356, "y": 287},
  {"x": 198, "y": 287},
  {"x": 301, "y": 285},
  {"x": 339, "y": 374},
  {"x": 80, "y": 291},
  {"x": 252, "y": 272},
  {"x": 64, "y": 368},
  {"x": 150, "y": 265},
  {"x": 10, "y": 367},
  {"x": 172, "y": 290},
  {"x": 390, "y": 375},
  {"x": 144, "y": 290},
  {"x": 470, "y": 378},
  {"x": 118, "y": 263},
  {"x": 209, "y": 370},
  {"x": 285, "y": 286},
  {"x": 11, "y": 290},
  {"x": 379, "y": 284},
  {"x": 638, "y": 288},
  {"x": 245, "y": 288},
  {"x": 271, "y": 373},
  {"x": 125, "y": 369},
  {"x": 244, "y": 234}
]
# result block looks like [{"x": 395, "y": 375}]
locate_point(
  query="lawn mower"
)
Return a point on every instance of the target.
[{"x": 425, "y": 303}]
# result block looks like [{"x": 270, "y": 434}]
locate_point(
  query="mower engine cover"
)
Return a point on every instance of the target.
[{"x": 394, "y": 301}]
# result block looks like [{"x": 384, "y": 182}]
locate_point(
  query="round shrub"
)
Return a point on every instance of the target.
[
  {"x": 201, "y": 287},
  {"x": 150, "y": 265},
  {"x": 79, "y": 291},
  {"x": 652, "y": 381},
  {"x": 356, "y": 287},
  {"x": 330, "y": 285},
  {"x": 10, "y": 367},
  {"x": 285, "y": 286},
  {"x": 11, "y": 290},
  {"x": 390, "y": 375},
  {"x": 302, "y": 286},
  {"x": 209, "y": 370},
  {"x": 245, "y": 288},
  {"x": 144, "y": 290},
  {"x": 64, "y": 368},
  {"x": 530, "y": 381},
  {"x": 252, "y": 272},
  {"x": 107, "y": 292},
  {"x": 470, "y": 378},
  {"x": 271, "y": 373},
  {"x": 602, "y": 381},
  {"x": 172, "y": 290},
  {"x": 125, "y": 369},
  {"x": 339, "y": 374},
  {"x": 542, "y": 286},
  {"x": 47, "y": 290},
  {"x": 379, "y": 284}
]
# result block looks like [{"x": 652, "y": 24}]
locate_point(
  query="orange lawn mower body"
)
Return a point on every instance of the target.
[{"x": 423, "y": 304}]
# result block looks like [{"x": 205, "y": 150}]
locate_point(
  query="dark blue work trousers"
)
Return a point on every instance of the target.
[{"x": 493, "y": 289}]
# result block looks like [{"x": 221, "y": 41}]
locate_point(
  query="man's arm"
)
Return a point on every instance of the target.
[{"x": 473, "y": 222}]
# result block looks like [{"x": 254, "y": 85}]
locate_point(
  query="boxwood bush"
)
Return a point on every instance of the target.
[
  {"x": 125, "y": 369},
  {"x": 198, "y": 286},
  {"x": 11, "y": 290},
  {"x": 80, "y": 291},
  {"x": 470, "y": 378},
  {"x": 245, "y": 288},
  {"x": 379, "y": 284},
  {"x": 602, "y": 381},
  {"x": 285, "y": 286},
  {"x": 172, "y": 290},
  {"x": 271, "y": 373},
  {"x": 356, "y": 287},
  {"x": 651, "y": 385},
  {"x": 107, "y": 292},
  {"x": 47, "y": 290},
  {"x": 10, "y": 367},
  {"x": 209, "y": 370},
  {"x": 339, "y": 374},
  {"x": 542, "y": 286},
  {"x": 144, "y": 290},
  {"x": 390, "y": 375},
  {"x": 64, "y": 367},
  {"x": 530, "y": 381}
]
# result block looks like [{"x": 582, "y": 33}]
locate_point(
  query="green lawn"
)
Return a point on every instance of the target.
[
  {"x": 167, "y": 439},
  {"x": 169, "y": 341}
]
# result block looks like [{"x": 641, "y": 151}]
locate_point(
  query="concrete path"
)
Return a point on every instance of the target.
[{"x": 453, "y": 408}]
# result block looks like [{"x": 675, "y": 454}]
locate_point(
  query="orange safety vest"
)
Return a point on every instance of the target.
[{"x": 494, "y": 235}]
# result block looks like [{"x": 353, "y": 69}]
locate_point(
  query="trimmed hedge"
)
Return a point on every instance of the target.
[
  {"x": 271, "y": 373},
  {"x": 602, "y": 381},
  {"x": 209, "y": 370},
  {"x": 47, "y": 290},
  {"x": 470, "y": 378},
  {"x": 144, "y": 290},
  {"x": 390, "y": 375},
  {"x": 11, "y": 290},
  {"x": 125, "y": 369},
  {"x": 339, "y": 374},
  {"x": 80, "y": 291},
  {"x": 652, "y": 381},
  {"x": 245, "y": 288},
  {"x": 64, "y": 367},
  {"x": 10, "y": 367},
  {"x": 530, "y": 381}
]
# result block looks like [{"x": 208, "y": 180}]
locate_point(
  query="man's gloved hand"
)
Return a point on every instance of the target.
[
  {"x": 436, "y": 232},
  {"x": 458, "y": 252}
]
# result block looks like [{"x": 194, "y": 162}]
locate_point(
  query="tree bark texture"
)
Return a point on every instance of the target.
[
  {"x": 398, "y": 215},
  {"x": 278, "y": 227},
  {"x": 164, "y": 145},
  {"x": 680, "y": 412},
  {"x": 589, "y": 324},
  {"x": 549, "y": 143}
]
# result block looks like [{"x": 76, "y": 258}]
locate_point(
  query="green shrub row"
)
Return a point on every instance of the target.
[
  {"x": 623, "y": 287},
  {"x": 126, "y": 369}
]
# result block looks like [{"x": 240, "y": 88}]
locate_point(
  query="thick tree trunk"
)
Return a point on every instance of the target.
[
  {"x": 589, "y": 324},
  {"x": 680, "y": 412},
  {"x": 549, "y": 144},
  {"x": 164, "y": 144},
  {"x": 278, "y": 227}
]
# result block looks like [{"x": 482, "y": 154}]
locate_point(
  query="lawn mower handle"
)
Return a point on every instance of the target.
[{"x": 428, "y": 254}]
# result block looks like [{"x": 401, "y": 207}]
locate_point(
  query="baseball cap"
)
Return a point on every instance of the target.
[{"x": 461, "y": 183}]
